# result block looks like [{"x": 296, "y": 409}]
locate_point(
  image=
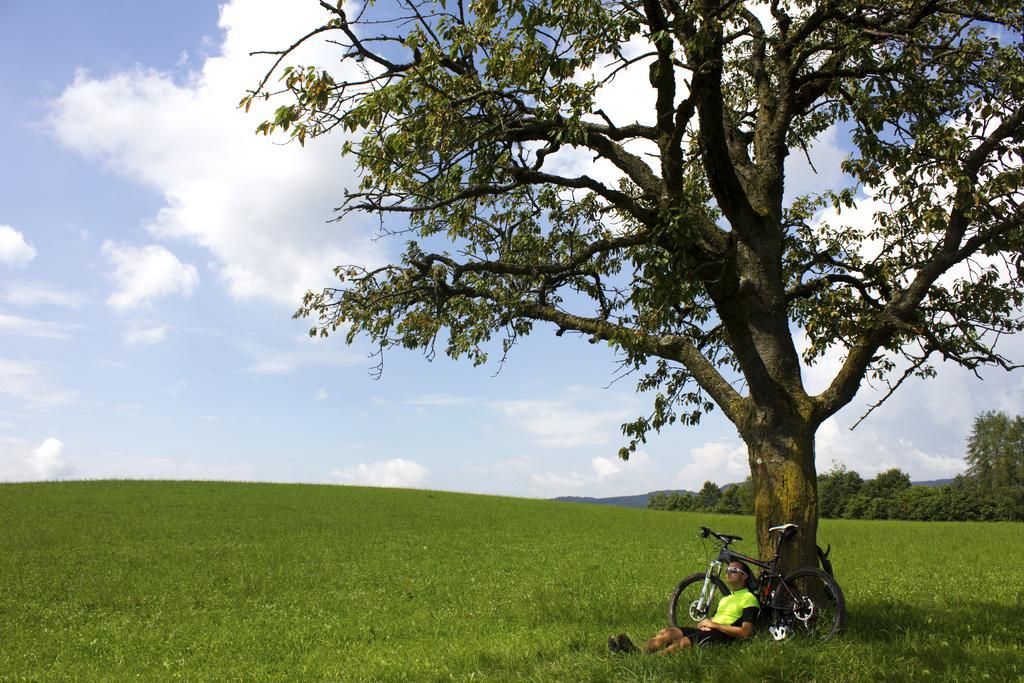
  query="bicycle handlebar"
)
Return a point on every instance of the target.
[{"x": 724, "y": 538}]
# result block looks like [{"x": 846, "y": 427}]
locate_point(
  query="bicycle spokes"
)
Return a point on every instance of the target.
[
  {"x": 699, "y": 609},
  {"x": 694, "y": 599},
  {"x": 809, "y": 607}
]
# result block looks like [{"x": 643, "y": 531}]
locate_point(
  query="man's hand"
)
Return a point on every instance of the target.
[{"x": 706, "y": 625}]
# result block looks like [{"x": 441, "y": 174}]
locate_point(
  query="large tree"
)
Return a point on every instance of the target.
[
  {"x": 995, "y": 450},
  {"x": 686, "y": 259}
]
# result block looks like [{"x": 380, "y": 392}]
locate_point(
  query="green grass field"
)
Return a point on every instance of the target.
[{"x": 204, "y": 581}]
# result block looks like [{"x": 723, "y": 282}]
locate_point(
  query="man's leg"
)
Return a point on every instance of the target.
[
  {"x": 666, "y": 638},
  {"x": 680, "y": 644}
]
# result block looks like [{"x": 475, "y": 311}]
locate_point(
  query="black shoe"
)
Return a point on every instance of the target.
[{"x": 625, "y": 644}]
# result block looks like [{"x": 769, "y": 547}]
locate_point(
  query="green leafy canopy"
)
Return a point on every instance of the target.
[{"x": 690, "y": 264}]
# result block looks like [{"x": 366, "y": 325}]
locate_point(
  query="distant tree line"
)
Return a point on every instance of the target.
[
  {"x": 992, "y": 488},
  {"x": 731, "y": 499}
]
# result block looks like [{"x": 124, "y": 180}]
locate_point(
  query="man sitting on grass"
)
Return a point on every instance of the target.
[{"x": 734, "y": 620}]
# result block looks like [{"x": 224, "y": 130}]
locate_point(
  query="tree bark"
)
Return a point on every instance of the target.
[{"x": 785, "y": 492}]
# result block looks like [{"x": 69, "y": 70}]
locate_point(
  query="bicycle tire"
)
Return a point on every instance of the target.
[
  {"x": 689, "y": 590},
  {"x": 811, "y": 603}
]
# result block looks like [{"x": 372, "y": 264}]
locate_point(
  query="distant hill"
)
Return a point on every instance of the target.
[
  {"x": 640, "y": 500},
  {"x": 933, "y": 482},
  {"x": 637, "y": 501}
]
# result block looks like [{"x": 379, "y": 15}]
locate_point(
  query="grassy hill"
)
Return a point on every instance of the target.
[{"x": 153, "y": 580}]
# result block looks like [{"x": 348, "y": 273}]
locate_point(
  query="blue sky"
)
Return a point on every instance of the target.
[{"x": 152, "y": 250}]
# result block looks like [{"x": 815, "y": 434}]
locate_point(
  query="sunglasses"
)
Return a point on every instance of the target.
[{"x": 734, "y": 570}]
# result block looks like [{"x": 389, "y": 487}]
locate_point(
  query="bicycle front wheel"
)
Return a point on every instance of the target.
[
  {"x": 687, "y": 606},
  {"x": 811, "y": 604}
]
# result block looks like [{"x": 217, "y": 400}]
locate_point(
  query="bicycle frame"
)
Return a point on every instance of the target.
[{"x": 766, "y": 580}]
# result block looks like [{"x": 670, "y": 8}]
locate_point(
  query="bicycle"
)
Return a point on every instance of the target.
[{"x": 806, "y": 602}]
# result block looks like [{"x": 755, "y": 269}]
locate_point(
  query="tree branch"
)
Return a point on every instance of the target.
[
  {"x": 499, "y": 267},
  {"x": 671, "y": 347}
]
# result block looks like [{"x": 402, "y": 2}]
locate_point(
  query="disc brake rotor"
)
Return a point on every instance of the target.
[{"x": 805, "y": 610}]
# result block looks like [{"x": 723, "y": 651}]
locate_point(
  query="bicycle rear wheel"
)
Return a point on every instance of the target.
[
  {"x": 686, "y": 608},
  {"x": 811, "y": 604}
]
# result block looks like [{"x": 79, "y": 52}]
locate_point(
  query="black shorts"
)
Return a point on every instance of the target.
[{"x": 698, "y": 637}]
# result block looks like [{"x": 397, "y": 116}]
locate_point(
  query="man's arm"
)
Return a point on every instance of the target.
[{"x": 743, "y": 631}]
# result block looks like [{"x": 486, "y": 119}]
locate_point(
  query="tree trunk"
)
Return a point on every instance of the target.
[{"x": 785, "y": 492}]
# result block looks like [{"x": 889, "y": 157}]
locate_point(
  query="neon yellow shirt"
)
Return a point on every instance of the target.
[{"x": 731, "y": 607}]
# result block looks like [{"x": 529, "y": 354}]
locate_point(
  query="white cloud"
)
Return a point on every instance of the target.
[
  {"x": 819, "y": 169},
  {"x": 305, "y": 352},
  {"x": 14, "y": 250},
  {"x": 869, "y": 450},
  {"x": 637, "y": 468},
  {"x": 321, "y": 395},
  {"x": 114, "y": 465},
  {"x": 556, "y": 484},
  {"x": 553, "y": 424},
  {"x": 923, "y": 427},
  {"x": 629, "y": 96},
  {"x": 259, "y": 207},
  {"x": 144, "y": 336},
  {"x": 26, "y": 380},
  {"x": 47, "y": 461},
  {"x": 606, "y": 467},
  {"x": 504, "y": 467},
  {"x": 19, "y": 462},
  {"x": 26, "y": 327},
  {"x": 723, "y": 462},
  {"x": 607, "y": 477},
  {"x": 28, "y": 293},
  {"x": 146, "y": 273},
  {"x": 626, "y": 99},
  {"x": 932, "y": 465},
  {"x": 396, "y": 472},
  {"x": 817, "y": 377}
]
